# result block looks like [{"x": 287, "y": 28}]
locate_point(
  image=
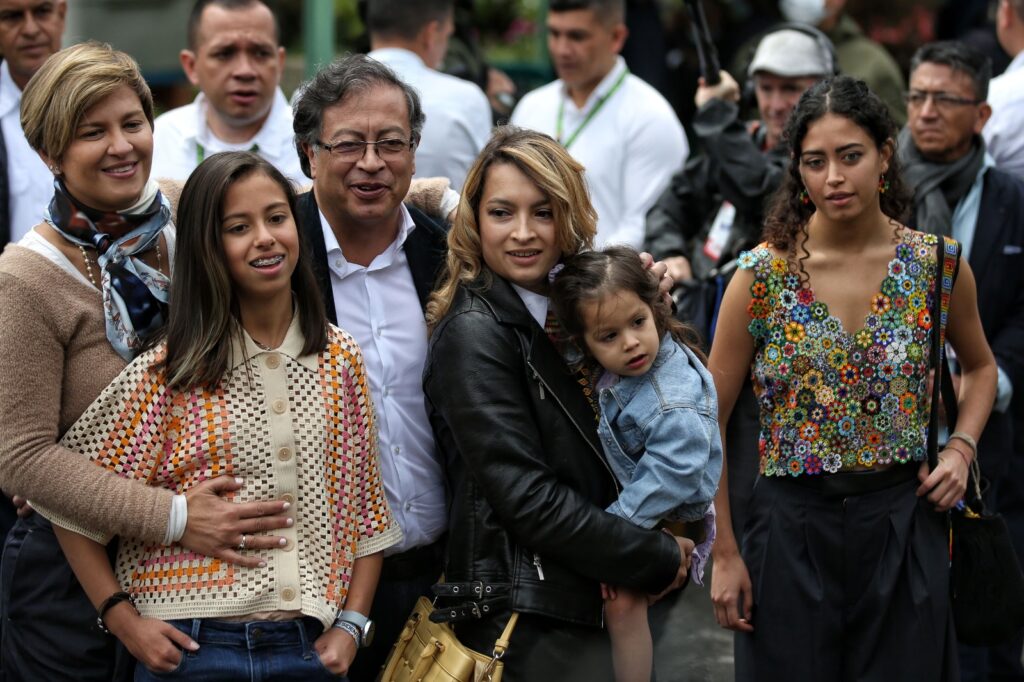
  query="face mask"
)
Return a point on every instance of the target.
[{"x": 803, "y": 11}]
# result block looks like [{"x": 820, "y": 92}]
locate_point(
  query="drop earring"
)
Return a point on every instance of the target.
[
  {"x": 804, "y": 197},
  {"x": 883, "y": 185}
]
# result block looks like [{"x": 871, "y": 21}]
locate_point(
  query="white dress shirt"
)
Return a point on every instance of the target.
[
  {"x": 630, "y": 148},
  {"x": 458, "y": 116},
  {"x": 29, "y": 181},
  {"x": 1002, "y": 133},
  {"x": 379, "y": 307},
  {"x": 182, "y": 139}
]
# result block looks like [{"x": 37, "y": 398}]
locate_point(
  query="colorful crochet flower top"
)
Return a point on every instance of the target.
[{"x": 831, "y": 400}]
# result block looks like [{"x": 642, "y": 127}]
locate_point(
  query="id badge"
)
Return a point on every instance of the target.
[{"x": 718, "y": 236}]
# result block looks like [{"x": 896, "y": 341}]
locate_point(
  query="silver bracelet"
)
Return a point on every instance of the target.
[{"x": 967, "y": 438}]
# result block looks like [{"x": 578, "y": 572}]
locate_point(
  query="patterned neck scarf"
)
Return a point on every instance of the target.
[{"x": 134, "y": 294}]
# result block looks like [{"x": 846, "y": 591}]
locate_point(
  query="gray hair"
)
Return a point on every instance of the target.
[{"x": 332, "y": 84}]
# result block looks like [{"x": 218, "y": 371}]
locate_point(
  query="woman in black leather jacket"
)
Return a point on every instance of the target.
[{"x": 528, "y": 482}]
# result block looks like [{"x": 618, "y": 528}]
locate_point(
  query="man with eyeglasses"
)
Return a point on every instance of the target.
[
  {"x": 235, "y": 58},
  {"x": 959, "y": 192},
  {"x": 356, "y": 127}
]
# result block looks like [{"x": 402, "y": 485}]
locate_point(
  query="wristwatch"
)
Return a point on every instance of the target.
[{"x": 359, "y": 626}]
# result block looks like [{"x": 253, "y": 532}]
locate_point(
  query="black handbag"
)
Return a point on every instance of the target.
[{"x": 986, "y": 583}]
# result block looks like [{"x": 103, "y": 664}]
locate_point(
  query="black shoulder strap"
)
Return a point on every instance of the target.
[{"x": 947, "y": 267}]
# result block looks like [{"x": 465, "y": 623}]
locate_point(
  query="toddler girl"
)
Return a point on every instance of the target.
[
  {"x": 250, "y": 380},
  {"x": 658, "y": 423}
]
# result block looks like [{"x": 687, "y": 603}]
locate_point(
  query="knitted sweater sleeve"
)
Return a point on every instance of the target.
[{"x": 32, "y": 462}]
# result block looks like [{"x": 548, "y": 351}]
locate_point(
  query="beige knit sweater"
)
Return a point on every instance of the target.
[{"x": 54, "y": 360}]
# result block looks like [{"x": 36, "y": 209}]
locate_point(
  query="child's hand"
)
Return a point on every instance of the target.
[
  {"x": 608, "y": 592},
  {"x": 336, "y": 649},
  {"x": 156, "y": 644}
]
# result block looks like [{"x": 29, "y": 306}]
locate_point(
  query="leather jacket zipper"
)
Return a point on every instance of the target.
[
  {"x": 540, "y": 569},
  {"x": 540, "y": 384},
  {"x": 600, "y": 456}
]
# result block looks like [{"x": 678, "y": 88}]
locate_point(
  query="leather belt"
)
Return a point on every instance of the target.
[
  {"x": 483, "y": 599},
  {"x": 853, "y": 483}
]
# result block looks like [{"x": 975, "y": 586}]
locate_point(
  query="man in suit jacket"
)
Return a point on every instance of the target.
[
  {"x": 959, "y": 192},
  {"x": 377, "y": 259}
]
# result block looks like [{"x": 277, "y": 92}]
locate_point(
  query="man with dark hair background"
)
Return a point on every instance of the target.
[
  {"x": 412, "y": 38},
  {"x": 620, "y": 128},
  {"x": 958, "y": 192},
  {"x": 235, "y": 58}
]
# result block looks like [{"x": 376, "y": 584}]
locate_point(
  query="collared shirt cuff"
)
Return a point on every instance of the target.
[
  {"x": 1004, "y": 391},
  {"x": 178, "y": 519}
]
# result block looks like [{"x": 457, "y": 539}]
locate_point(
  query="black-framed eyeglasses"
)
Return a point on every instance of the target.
[
  {"x": 942, "y": 100},
  {"x": 352, "y": 150}
]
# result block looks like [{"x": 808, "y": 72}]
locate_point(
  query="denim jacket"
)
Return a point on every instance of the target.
[{"x": 660, "y": 435}]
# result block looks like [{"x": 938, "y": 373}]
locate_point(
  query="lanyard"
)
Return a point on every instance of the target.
[
  {"x": 201, "y": 151},
  {"x": 593, "y": 112}
]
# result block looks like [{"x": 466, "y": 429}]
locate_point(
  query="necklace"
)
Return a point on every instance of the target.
[
  {"x": 159, "y": 267},
  {"x": 88, "y": 266},
  {"x": 261, "y": 345}
]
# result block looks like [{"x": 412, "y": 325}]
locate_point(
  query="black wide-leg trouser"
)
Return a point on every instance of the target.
[{"x": 846, "y": 589}]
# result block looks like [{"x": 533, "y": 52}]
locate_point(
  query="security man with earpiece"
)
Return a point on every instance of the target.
[{"x": 714, "y": 208}]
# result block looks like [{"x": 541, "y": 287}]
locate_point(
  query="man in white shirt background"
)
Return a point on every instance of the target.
[
  {"x": 235, "y": 59},
  {"x": 30, "y": 31},
  {"x": 412, "y": 38},
  {"x": 1002, "y": 133},
  {"x": 620, "y": 128}
]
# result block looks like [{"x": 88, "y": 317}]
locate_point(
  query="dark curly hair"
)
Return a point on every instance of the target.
[
  {"x": 850, "y": 98},
  {"x": 589, "y": 275}
]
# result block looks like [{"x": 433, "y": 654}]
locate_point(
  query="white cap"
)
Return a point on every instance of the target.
[{"x": 791, "y": 53}]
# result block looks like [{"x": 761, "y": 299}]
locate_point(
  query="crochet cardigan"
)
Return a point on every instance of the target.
[{"x": 292, "y": 426}]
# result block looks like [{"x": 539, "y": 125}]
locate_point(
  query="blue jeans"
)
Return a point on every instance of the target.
[{"x": 257, "y": 651}]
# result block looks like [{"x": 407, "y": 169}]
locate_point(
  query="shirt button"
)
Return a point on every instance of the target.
[
  {"x": 408, "y": 506},
  {"x": 288, "y": 594},
  {"x": 288, "y": 497},
  {"x": 397, "y": 449},
  {"x": 284, "y": 454},
  {"x": 289, "y": 545},
  {"x": 279, "y": 406},
  {"x": 273, "y": 361},
  {"x": 339, "y": 263},
  {"x": 379, "y": 331}
]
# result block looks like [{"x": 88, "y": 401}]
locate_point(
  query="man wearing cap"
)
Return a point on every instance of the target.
[{"x": 714, "y": 208}]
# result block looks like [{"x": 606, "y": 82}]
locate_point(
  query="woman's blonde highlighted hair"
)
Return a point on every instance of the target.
[
  {"x": 557, "y": 175},
  {"x": 71, "y": 82}
]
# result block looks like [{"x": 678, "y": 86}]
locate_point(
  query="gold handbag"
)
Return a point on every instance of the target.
[{"x": 429, "y": 652}]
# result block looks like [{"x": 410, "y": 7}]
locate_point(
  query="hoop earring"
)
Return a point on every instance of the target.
[
  {"x": 804, "y": 197},
  {"x": 883, "y": 185}
]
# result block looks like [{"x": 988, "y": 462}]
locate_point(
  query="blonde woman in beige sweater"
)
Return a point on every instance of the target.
[{"x": 78, "y": 296}]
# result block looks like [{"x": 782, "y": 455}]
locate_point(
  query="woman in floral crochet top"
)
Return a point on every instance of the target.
[{"x": 844, "y": 568}]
